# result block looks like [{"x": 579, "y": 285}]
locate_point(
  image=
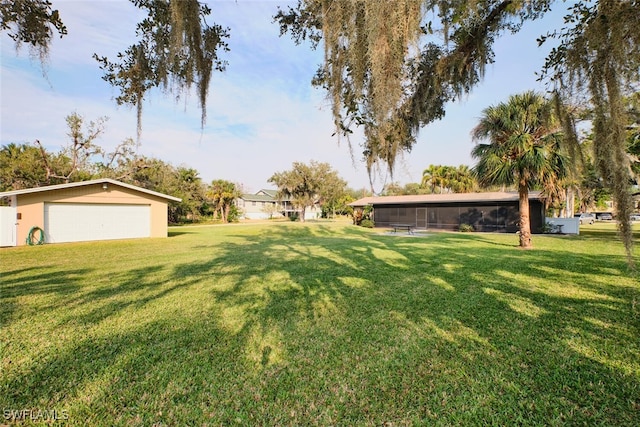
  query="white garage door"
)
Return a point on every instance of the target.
[{"x": 78, "y": 222}]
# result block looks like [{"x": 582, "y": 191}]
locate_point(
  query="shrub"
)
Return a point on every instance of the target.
[
  {"x": 294, "y": 216},
  {"x": 466, "y": 228},
  {"x": 234, "y": 214},
  {"x": 360, "y": 215},
  {"x": 367, "y": 223},
  {"x": 547, "y": 228},
  {"x": 357, "y": 217}
]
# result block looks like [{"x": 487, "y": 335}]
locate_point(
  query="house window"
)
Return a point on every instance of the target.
[{"x": 253, "y": 203}]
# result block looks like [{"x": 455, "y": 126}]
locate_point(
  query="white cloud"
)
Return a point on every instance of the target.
[{"x": 104, "y": 27}]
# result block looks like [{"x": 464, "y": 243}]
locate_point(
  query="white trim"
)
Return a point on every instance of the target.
[{"x": 85, "y": 183}]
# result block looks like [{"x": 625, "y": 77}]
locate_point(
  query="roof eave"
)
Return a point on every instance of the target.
[{"x": 86, "y": 183}]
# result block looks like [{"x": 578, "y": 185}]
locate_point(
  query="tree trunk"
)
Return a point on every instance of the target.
[
  {"x": 569, "y": 205},
  {"x": 525, "y": 223},
  {"x": 301, "y": 216}
]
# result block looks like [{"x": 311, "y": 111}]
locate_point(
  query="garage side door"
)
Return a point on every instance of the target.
[{"x": 78, "y": 222}]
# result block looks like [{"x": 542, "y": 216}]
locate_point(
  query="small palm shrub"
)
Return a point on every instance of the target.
[
  {"x": 466, "y": 228},
  {"x": 547, "y": 228},
  {"x": 367, "y": 223},
  {"x": 360, "y": 215}
]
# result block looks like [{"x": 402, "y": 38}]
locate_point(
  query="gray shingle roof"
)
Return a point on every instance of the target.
[
  {"x": 257, "y": 198},
  {"x": 269, "y": 196},
  {"x": 443, "y": 198}
]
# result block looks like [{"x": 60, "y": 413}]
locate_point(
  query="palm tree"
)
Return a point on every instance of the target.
[
  {"x": 449, "y": 179},
  {"x": 430, "y": 177},
  {"x": 463, "y": 180},
  {"x": 223, "y": 194},
  {"x": 437, "y": 177},
  {"x": 524, "y": 149}
]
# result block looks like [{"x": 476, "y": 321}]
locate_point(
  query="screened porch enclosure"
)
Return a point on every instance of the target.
[{"x": 486, "y": 217}]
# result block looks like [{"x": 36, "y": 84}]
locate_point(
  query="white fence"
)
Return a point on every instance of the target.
[
  {"x": 564, "y": 225},
  {"x": 7, "y": 226}
]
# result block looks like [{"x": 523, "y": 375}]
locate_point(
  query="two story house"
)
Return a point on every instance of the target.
[{"x": 265, "y": 205}]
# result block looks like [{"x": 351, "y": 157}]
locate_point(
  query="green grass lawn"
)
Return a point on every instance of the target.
[{"x": 322, "y": 324}]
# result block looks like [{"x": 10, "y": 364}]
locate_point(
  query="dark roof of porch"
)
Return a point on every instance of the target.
[{"x": 510, "y": 196}]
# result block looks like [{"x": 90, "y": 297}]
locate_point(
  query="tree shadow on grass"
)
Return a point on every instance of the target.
[
  {"x": 36, "y": 281},
  {"x": 313, "y": 325},
  {"x": 168, "y": 372},
  {"x": 176, "y": 233},
  {"x": 495, "y": 295}
]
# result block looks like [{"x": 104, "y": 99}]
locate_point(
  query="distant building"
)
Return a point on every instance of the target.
[{"x": 265, "y": 205}]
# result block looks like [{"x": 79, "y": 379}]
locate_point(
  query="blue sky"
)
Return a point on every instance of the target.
[{"x": 263, "y": 113}]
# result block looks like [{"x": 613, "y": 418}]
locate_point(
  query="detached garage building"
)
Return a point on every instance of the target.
[
  {"x": 101, "y": 209},
  {"x": 495, "y": 212}
]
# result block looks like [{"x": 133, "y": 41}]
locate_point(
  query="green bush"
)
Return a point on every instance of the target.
[
  {"x": 360, "y": 215},
  {"x": 547, "y": 228},
  {"x": 234, "y": 214},
  {"x": 367, "y": 223},
  {"x": 294, "y": 216},
  {"x": 466, "y": 228}
]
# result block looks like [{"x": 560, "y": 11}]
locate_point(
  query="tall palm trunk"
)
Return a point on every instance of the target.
[{"x": 525, "y": 223}]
